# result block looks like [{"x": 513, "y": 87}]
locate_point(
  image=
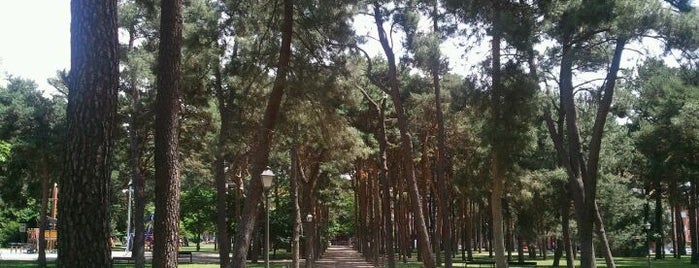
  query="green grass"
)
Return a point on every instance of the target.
[
  {"x": 51, "y": 264},
  {"x": 621, "y": 262}
]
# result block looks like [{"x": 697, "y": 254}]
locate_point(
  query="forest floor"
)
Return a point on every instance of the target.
[{"x": 335, "y": 256}]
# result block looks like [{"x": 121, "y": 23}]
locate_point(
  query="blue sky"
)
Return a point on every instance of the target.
[{"x": 35, "y": 39}]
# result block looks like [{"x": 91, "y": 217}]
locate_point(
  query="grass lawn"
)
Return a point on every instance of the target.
[
  {"x": 620, "y": 262},
  {"x": 32, "y": 264}
]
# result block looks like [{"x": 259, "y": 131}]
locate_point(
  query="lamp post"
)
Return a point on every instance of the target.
[
  {"x": 129, "y": 189},
  {"x": 647, "y": 227},
  {"x": 267, "y": 180}
]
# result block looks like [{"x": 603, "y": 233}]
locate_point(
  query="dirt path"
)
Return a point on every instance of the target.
[{"x": 342, "y": 257}]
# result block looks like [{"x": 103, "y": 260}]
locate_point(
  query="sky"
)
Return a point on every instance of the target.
[{"x": 35, "y": 39}]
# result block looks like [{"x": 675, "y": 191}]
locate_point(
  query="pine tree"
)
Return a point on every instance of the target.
[
  {"x": 167, "y": 124},
  {"x": 84, "y": 205}
]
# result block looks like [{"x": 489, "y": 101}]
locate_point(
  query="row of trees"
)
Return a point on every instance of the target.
[{"x": 437, "y": 157}]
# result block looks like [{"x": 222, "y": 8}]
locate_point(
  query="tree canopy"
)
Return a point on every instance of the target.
[{"x": 402, "y": 127}]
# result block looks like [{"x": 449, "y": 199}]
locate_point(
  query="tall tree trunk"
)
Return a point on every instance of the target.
[
  {"x": 520, "y": 249},
  {"x": 558, "y": 252},
  {"x": 544, "y": 248},
  {"x": 91, "y": 118},
  {"x": 296, "y": 210},
  {"x": 139, "y": 188},
  {"x": 308, "y": 207},
  {"x": 567, "y": 245},
  {"x": 573, "y": 161},
  {"x": 497, "y": 169},
  {"x": 225, "y": 103},
  {"x": 468, "y": 243},
  {"x": 442, "y": 180},
  {"x": 406, "y": 143},
  {"x": 263, "y": 143},
  {"x": 376, "y": 222},
  {"x": 45, "y": 184},
  {"x": 380, "y": 136},
  {"x": 693, "y": 221},
  {"x": 498, "y": 234},
  {"x": 679, "y": 226},
  {"x": 137, "y": 180},
  {"x": 510, "y": 239},
  {"x": 658, "y": 226},
  {"x": 362, "y": 203},
  {"x": 167, "y": 124},
  {"x": 385, "y": 188},
  {"x": 583, "y": 176},
  {"x": 223, "y": 240},
  {"x": 401, "y": 215},
  {"x": 602, "y": 236}
]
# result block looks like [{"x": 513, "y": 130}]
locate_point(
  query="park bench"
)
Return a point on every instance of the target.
[
  {"x": 491, "y": 263},
  {"x": 480, "y": 263},
  {"x": 127, "y": 259},
  {"x": 185, "y": 254},
  {"x": 522, "y": 264},
  {"x": 16, "y": 247}
]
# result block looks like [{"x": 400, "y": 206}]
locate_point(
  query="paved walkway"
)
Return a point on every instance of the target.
[{"x": 342, "y": 257}]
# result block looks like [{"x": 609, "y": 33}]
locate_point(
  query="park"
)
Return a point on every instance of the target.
[{"x": 371, "y": 133}]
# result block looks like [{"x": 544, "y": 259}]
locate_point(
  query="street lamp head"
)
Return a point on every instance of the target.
[
  {"x": 647, "y": 226},
  {"x": 267, "y": 178},
  {"x": 124, "y": 190},
  {"x": 309, "y": 217}
]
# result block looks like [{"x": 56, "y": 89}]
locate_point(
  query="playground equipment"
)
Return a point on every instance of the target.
[{"x": 32, "y": 245}]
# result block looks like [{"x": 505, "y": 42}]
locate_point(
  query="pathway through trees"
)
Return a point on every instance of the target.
[{"x": 340, "y": 257}]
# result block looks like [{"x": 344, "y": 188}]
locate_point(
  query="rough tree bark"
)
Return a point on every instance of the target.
[
  {"x": 583, "y": 176},
  {"x": 497, "y": 169},
  {"x": 385, "y": 188},
  {"x": 45, "y": 184},
  {"x": 222, "y": 217},
  {"x": 296, "y": 240},
  {"x": 167, "y": 124},
  {"x": 693, "y": 221},
  {"x": 406, "y": 144},
  {"x": 658, "y": 226},
  {"x": 91, "y": 117},
  {"x": 380, "y": 136},
  {"x": 442, "y": 180},
  {"x": 263, "y": 143},
  {"x": 602, "y": 236}
]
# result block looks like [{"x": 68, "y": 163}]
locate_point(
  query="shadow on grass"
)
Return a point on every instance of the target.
[{"x": 52, "y": 264}]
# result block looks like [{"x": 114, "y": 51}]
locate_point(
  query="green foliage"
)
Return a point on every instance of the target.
[
  {"x": 668, "y": 136},
  {"x": 530, "y": 190},
  {"x": 10, "y": 219},
  {"x": 198, "y": 211},
  {"x": 281, "y": 221},
  {"x": 342, "y": 218},
  {"x": 237, "y": 42},
  {"x": 31, "y": 127},
  {"x": 622, "y": 212},
  {"x": 4, "y": 150},
  {"x": 512, "y": 109}
]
